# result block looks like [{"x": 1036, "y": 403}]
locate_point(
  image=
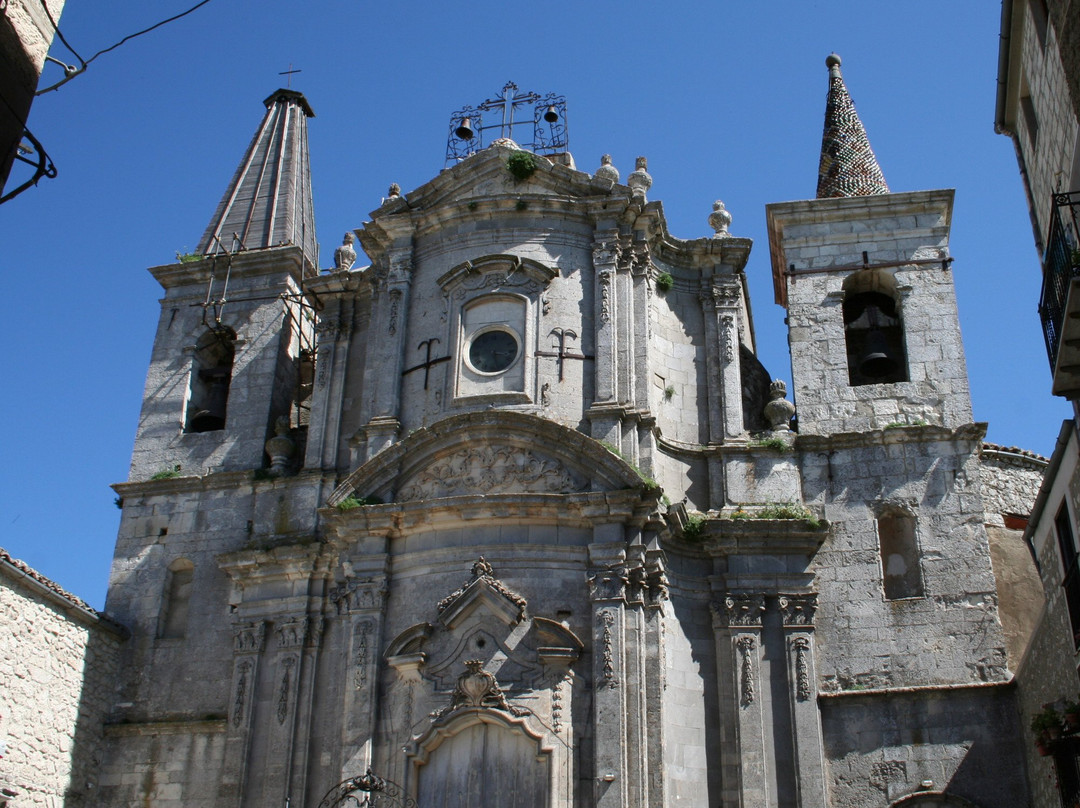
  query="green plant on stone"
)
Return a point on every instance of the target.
[
  {"x": 166, "y": 474},
  {"x": 353, "y": 501},
  {"x": 1047, "y": 719},
  {"x": 188, "y": 257},
  {"x": 521, "y": 164},
  {"x": 664, "y": 281},
  {"x": 774, "y": 443},
  {"x": 694, "y": 529},
  {"x": 669, "y": 392}
]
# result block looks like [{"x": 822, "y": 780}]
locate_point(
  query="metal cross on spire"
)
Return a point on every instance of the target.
[{"x": 289, "y": 73}]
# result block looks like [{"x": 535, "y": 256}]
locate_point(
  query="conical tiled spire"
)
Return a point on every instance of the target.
[
  {"x": 268, "y": 203},
  {"x": 848, "y": 166}
]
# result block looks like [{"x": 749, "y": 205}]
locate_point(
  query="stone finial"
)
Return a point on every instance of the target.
[
  {"x": 640, "y": 180},
  {"x": 779, "y": 410},
  {"x": 720, "y": 220},
  {"x": 281, "y": 447},
  {"x": 394, "y": 192},
  {"x": 345, "y": 255},
  {"x": 606, "y": 171}
]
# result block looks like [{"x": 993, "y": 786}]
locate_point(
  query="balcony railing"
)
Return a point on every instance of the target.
[{"x": 1061, "y": 264}]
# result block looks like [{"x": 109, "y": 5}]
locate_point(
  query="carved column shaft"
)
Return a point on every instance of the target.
[
  {"x": 737, "y": 621},
  {"x": 386, "y": 344},
  {"x": 360, "y": 604},
  {"x": 605, "y": 257},
  {"x": 728, "y": 296},
  {"x": 798, "y": 618},
  {"x": 608, "y": 584},
  {"x": 248, "y": 642},
  {"x": 624, "y": 332},
  {"x": 333, "y": 331}
]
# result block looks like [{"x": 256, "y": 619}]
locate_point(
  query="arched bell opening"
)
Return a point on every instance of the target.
[
  {"x": 211, "y": 374},
  {"x": 873, "y": 329}
]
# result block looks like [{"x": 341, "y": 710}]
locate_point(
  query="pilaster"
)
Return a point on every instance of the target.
[
  {"x": 333, "y": 331},
  {"x": 797, "y": 613},
  {"x": 606, "y": 254},
  {"x": 360, "y": 603},
  {"x": 249, "y": 640}
]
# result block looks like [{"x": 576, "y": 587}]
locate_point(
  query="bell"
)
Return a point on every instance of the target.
[
  {"x": 465, "y": 131},
  {"x": 876, "y": 361},
  {"x": 212, "y": 416},
  {"x": 551, "y": 115}
]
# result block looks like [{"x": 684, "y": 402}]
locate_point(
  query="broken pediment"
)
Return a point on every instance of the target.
[{"x": 485, "y": 621}]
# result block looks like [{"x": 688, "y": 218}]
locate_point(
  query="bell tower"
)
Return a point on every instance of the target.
[
  {"x": 229, "y": 355},
  {"x": 865, "y": 277}
]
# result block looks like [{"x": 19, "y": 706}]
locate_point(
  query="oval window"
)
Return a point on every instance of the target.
[{"x": 493, "y": 351}]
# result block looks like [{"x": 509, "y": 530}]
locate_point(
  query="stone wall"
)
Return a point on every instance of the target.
[{"x": 57, "y": 668}]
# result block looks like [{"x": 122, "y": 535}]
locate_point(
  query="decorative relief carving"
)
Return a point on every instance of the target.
[
  {"x": 322, "y": 364},
  {"x": 605, "y": 295},
  {"x": 315, "y": 632},
  {"x": 741, "y": 610},
  {"x": 557, "y": 701},
  {"x": 798, "y": 610},
  {"x": 249, "y": 638},
  {"x": 477, "y": 688},
  {"x": 292, "y": 633},
  {"x": 611, "y": 679},
  {"x": 241, "y": 691},
  {"x": 606, "y": 253},
  {"x": 727, "y": 337},
  {"x": 727, "y": 294},
  {"x": 395, "y": 304},
  {"x": 746, "y": 645},
  {"x": 364, "y": 629},
  {"x": 355, "y": 595},
  {"x": 283, "y": 693},
  {"x": 801, "y": 647},
  {"x": 492, "y": 281},
  {"x": 491, "y": 470}
]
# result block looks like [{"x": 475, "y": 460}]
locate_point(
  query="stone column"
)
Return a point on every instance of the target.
[
  {"x": 361, "y": 604},
  {"x": 727, "y": 296},
  {"x": 249, "y": 639},
  {"x": 608, "y": 580},
  {"x": 797, "y": 612},
  {"x": 624, "y": 325},
  {"x": 740, "y": 641}
]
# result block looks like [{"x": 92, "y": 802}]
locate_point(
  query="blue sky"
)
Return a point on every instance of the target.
[{"x": 725, "y": 99}]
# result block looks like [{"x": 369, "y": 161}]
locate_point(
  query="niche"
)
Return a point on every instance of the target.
[
  {"x": 211, "y": 374},
  {"x": 873, "y": 329},
  {"x": 174, "y": 613},
  {"x": 901, "y": 574}
]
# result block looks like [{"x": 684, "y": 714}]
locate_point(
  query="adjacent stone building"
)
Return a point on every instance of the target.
[
  {"x": 513, "y": 515},
  {"x": 1038, "y": 106},
  {"x": 57, "y": 669}
]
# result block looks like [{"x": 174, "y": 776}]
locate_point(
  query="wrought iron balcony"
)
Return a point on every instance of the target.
[{"x": 1061, "y": 264}]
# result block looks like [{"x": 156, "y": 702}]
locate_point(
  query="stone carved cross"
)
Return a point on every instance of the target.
[
  {"x": 428, "y": 361},
  {"x": 562, "y": 354}
]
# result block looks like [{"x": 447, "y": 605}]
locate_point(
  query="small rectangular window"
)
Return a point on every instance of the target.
[
  {"x": 1040, "y": 13},
  {"x": 1070, "y": 568},
  {"x": 178, "y": 598},
  {"x": 901, "y": 572},
  {"x": 1031, "y": 120}
]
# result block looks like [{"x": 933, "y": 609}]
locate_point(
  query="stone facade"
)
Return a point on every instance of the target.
[
  {"x": 514, "y": 515},
  {"x": 57, "y": 670}
]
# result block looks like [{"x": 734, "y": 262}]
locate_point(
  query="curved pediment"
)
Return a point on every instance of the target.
[{"x": 488, "y": 453}]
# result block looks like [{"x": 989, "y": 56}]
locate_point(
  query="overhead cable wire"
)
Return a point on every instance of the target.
[{"x": 73, "y": 72}]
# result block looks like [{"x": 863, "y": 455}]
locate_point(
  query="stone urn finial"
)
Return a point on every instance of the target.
[
  {"x": 280, "y": 448},
  {"x": 607, "y": 171},
  {"x": 779, "y": 410},
  {"x": 640, "y": 181},
  {"x": 720, "y": 220},
  {"x": 345, "y": 255},
  {"x": 394, "y": 192}
]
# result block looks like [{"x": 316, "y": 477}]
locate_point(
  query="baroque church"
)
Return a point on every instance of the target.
[{"x": 513, "y": 515}]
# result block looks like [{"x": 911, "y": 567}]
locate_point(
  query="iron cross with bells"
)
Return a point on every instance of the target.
[
  {"x": 562, "y": 354},
  {"x": 428, "y": 361}
]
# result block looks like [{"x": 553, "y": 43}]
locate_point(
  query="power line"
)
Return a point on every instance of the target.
[{"x": 84, "y": 63}]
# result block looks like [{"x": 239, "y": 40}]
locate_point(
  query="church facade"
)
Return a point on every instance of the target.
[{"x": 514, "y": 515}]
